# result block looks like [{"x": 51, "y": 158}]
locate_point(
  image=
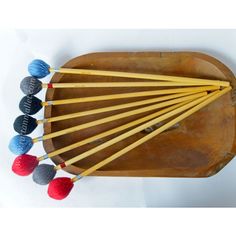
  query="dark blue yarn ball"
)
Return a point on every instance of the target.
[
  {"x": 30, "y": 105},
  {"x": 25, "y": 124}
]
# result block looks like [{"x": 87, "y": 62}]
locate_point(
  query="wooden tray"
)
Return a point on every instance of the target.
[{"x": 200, "y": 146}]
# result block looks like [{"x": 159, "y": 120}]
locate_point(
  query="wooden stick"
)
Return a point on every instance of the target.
[
  {"x": 116, "y": 117},
  {"x": 118, "y": 84},
  {"x": 113, "y": 108},
  {"x": 129, "y": 95},
  {"x": 153, "y": 134},
  {"x": 132, "y": 132},
  {"x": 110, "y": 132},
  {"x": 140, "y": 76}
]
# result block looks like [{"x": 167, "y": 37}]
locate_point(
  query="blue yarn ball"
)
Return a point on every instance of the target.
[
  {"x": 38, "y": 68},
  {"x": 20, "y": 144}
]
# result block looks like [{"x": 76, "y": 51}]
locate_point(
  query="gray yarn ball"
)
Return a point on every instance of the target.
[
  {"x": 43, "y": 174},
  {"x": 30, "y": 85}
]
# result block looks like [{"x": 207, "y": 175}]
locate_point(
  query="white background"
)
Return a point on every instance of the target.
[{"x": 19, "y": 47}]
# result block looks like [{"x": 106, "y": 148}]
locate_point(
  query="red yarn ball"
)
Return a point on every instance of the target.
[
  {"x": 60, "y": 188},
  {"x": 24, "y": 164}
]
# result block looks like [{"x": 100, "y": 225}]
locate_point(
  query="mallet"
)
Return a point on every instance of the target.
[
  {"x": 26, "y": 124},
  {"x": 39, "y": 69},
  {"x": 44, "y": 173},
  {"x": 103, "y": 85},
  {"x": 60, "y": 188},
  {"x": 24, "y": 164},
  {"x": 31, "y": 105},
  {"x": 21, "y": 144}
]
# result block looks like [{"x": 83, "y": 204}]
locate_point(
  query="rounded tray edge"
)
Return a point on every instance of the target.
[{"x": 48, "y": 144}]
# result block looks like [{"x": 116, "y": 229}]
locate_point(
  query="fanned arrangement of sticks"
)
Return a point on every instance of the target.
[{"x": 168, "y": 106}]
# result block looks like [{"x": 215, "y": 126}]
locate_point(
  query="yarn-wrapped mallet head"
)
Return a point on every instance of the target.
[
  {"x": 43, "y": 174},
  {"x": 20, "y": 144},
  {"x": 30, "y": 85},
  {"x": 30, "y": 105},
  {"x": 25, "y": 124},
  {"x": 24, "y": 164},
  {"x": 38, "y": 68},
  {"x": 60, "y": 188}
]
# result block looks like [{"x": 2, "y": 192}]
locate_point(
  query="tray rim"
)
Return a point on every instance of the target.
[{"x": 145, "y": 173}]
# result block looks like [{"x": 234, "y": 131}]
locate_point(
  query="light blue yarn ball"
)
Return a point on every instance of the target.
[
  {"x": 38, "y": 68},
  {"x": 20, "y": 144}
]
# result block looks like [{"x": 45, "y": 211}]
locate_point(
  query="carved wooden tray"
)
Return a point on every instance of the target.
[{"x": 199, "y": 146}]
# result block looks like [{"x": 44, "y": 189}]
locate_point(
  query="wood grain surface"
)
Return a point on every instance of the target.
[{"x": 199, "y": 146}]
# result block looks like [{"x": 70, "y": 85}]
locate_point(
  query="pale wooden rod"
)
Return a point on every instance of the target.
[
  {"x": 140, "y": 76},
  {"x": 132, "y": 132},
  {"x": 153, "y": 134},
  {"x": 129, "y": 95},
  {"x": 112, "y": 108},
  {"x": 110, "y": 132},
  {"x": 117, "y": 84},
  {"x": 116, "y": 117}
]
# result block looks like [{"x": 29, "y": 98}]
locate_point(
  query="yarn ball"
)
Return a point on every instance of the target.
[
  {"x": 38, "y": 68},
  {"x": 24, "y": 164},
  {"x": 30, "y": 85},
  {"x": 20, "y": 144},
  {"x": 30, "y": 105},
  {"x": 43, "y": 174},
  {"x": 25, "y": 124},
  {"x": 60, "y": 188}
]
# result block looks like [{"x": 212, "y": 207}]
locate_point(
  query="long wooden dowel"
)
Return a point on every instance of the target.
[
  {"x": 140, "y": 76},
  {"x": 151, "y": 135},
  {"x": 111, "y": 131},
  {"x": 116, "y": 117},
  {"x": 131, "y": 132},
  {"x": 117, "y": 84},
  {"x": 129, "y": 95},
  {"x": 113, "y": 108}
]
